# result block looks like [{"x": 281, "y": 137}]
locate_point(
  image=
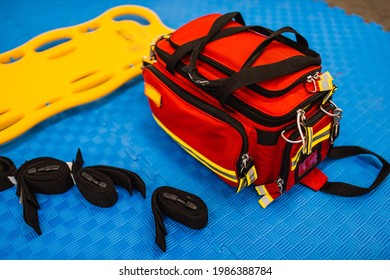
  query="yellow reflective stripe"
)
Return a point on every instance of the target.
[
  {"x": 261, "y": 190},
  {"x": 327, "y": 97},
  {"x": 266, "y": 197},
  {"x": 225, "y": 173},
  {"x": 309, "y": 140},
  {"x": 326, "y": 75},
  {"x": 265, "y": 200},
  {"x": 251, "y": 175},
  {"x": 320, "y": 136},
  {"x": 241, "y": 185},
  {"x": 325, "y": 82}
]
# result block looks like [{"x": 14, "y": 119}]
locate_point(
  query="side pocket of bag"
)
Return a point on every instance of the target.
[
  {"x": 299, "y": 157},
  {"x": 216, "y": 139}
]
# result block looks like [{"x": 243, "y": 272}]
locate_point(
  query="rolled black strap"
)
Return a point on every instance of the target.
[
  {"x": 97, "y": 183},
  {"x": 41, "y": 175},
  {"x": 47, "y": 175},
  {"x": 345, "y": 189},
  {"x": 183, "y": 207},
  {"x": 7, "y": 168}
]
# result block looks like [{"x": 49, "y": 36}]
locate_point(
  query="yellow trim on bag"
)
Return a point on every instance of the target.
[
  {"x": 320, "y": 136},
  {"x": 153, "y": 95},
  {"x": 223, "y": 172}
]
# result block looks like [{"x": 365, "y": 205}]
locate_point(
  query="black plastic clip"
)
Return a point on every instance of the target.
[
  {"x": 91, "y": 179},
  {"x": 175, "y": 198},
  {"x": 43, "y": 169}
]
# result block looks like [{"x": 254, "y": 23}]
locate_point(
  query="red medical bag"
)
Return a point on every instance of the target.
[{"x": 251, "y": 104}]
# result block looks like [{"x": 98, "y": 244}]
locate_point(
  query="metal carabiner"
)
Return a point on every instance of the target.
[
  {"x": 152, "y": 49},
  {"x": 300, "y": 121}
]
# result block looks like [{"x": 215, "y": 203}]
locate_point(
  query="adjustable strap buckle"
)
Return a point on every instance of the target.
[{"x": 175, "y": 198}]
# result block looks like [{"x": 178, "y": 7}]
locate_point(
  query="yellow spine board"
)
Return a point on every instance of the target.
[{"x": 67, "y": 67}]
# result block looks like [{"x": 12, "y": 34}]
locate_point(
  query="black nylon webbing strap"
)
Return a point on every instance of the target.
[
  {"x": 183, "y": 207},
  {"x": 47, "y": 175},
  {"x": 345, "y": 189},
  {"x": 184, "y": 49},
  {"x": 7, "y": 168},
  {"x": 41, "y": 175},
  {"x": 97, "y": 183}
]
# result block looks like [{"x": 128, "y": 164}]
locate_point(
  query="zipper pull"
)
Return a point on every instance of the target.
[
  {"x": 269, "y": 192},
  {"x": 280, "y": 183},
  {"x": 311, "y": 79},
  {"x": 248, "y": 173},
  {"x": 338, "y": 114}
]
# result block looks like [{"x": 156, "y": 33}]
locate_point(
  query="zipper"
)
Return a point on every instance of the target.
[
  {"x": 211, "y": 110},
  {"x": 286, "y": 154},
  {"x": 252, "y": 113}
]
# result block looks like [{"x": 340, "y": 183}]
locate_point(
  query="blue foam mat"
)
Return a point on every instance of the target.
[{"x": 118, "y": 130}]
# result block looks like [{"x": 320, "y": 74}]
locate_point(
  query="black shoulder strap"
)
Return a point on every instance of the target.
[{"x": 345, "y": 189}]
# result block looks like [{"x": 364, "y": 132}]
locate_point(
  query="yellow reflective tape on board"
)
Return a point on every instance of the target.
[
  {"x": 67, "y": 67},
  {"x": 223, "y": 172}
]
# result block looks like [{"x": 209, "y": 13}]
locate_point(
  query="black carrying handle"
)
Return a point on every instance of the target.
[
  {"x": 345, "y": 189},
  {"x": 181, "y": 51},
  {"x": 223, "y": 88},
  {"x": 276, "y": 35},
  {"x": 217, "y": 26}
]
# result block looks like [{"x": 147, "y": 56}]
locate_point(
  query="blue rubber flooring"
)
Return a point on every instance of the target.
[{"x": 119, "y": 130}]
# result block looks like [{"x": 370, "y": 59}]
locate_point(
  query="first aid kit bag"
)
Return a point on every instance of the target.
[{"x": 251, "y": 104}]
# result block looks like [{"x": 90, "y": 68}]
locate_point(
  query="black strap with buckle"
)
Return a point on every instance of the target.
[
  {"x": 41, "y": 175},
  {"x": 47, "y": 175},
  {"x": 97, "y": 183},
  {"x": 183, "y": 207}
]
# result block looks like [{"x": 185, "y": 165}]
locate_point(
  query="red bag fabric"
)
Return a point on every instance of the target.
[{"x": 249, "y": 103}]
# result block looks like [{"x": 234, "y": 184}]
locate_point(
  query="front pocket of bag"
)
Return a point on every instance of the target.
[{"x": 209, "y": 134}]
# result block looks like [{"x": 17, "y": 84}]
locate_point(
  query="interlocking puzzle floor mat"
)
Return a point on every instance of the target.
[{"x": 119, "y": 130}]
